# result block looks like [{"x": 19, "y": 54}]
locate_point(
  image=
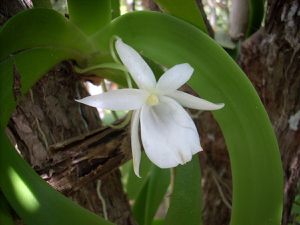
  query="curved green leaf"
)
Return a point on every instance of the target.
[
  {"x": 115, "y": 6},
  {"x": 90, "y": 16},
  {"x": 135, "y": 184},
  {"x": 151, "y": 195},
  {"x": 42, "y": 28},
  {"x": 42, "y": 4},
  {"x": 5, "y": 214},
  {"x": 32, "y": 198},
  {"x": 186, "y": 199},
  {"x": 254, "y": 154},
  {"x": 47, "y": 40},
  {"x": 256, "y": 15},
  {"x": 185, "y": 10},
  {"x": 6, "y": 93}
]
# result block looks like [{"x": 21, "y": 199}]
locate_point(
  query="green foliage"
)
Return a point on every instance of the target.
[
  {"x": 5, "y": 214},
  {"x": 90, "y": 16},
  {"x": 49, "y": 40},
  {"x": 48, "y": 29},
  {"x": 187, "y": 10},
  {"x": 42, "y": 4},
  {"x": 158, "y": 222},
  {"x": 166, "y": 40},
  {"x": 148, "y": 191},
  {"x": 186, "y": 199},
  {"x": 151, "y": 195},
  {"x": 6, "y": 94},
  {"x": 135, "y": 184},
  {"x": 256, "y": 15},
  {"x": 115, "y": 6},
  {"x": 296, "y": 209},
  {"x": 32, "y": 198},
  {"x": 249, "y": 136}
]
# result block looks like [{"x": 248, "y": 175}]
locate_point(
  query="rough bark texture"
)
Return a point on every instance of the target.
[
  {"x": 63, "y": 141},
  {"x": 80, "y": 160},
  {"x": 271, "y": 58}
]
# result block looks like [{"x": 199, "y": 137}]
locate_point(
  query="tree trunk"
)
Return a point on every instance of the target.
[{"x": 48, "y": 120}]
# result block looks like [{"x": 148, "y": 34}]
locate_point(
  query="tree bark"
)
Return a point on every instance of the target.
[{"x": 64, "y": 142}]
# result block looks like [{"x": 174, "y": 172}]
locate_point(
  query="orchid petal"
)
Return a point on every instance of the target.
[
  {"x": 175, "y": 77},
  {"x": 135, "y": 142},
  {"x": 193, "y": 102},
  {"x": 168, "y": 133},
  {"x": 122, "y": 99},
  {"x": 137, "y": 67}
]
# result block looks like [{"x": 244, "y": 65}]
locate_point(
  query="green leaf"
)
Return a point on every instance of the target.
[
  {"x": 187, "y": 10},
  {"x": 151, "y": 195},
  {"x": 49, "y": 39},
  {"x": 256, "y": 15},
  {"x": 186, "y": 207},
  {"x": 90, "y": 16},
  {"x": 111, "y": 71},
  {"x": 115, "y": 6},
  {"x": 5, "y": 214},
  {"x": 42, "y": 28},
  {"x": 134, "y": 183},
  {"x": 32, "y": 198},
  {"x": 254, "y": 154},
  {"x": 35, "y": 49},
  {"x": 6, "y": 93},
  {"x": 158, "y": 222},
  {"x": 42, "y": 4}
]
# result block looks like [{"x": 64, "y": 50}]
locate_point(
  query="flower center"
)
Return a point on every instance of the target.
[{"x": 152, "y": 99}]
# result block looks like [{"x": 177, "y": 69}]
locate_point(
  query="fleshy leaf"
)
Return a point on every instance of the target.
[
  {"x": 90, "y": 16},
  {"x": 151, "y": 195},
  {"x": 256, "y": 15},
  {"x": 48, "y": 29},
  {"x": 186, "y": 10},
  {"x": 5, "y": 214},
  {"x": 186, "y": 195},
  {"x": 249, "y": 136},
  {"x": 32, "y": 198}
]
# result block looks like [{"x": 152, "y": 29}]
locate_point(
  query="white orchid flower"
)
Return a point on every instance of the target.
[{"x": 169, "y": 135}]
